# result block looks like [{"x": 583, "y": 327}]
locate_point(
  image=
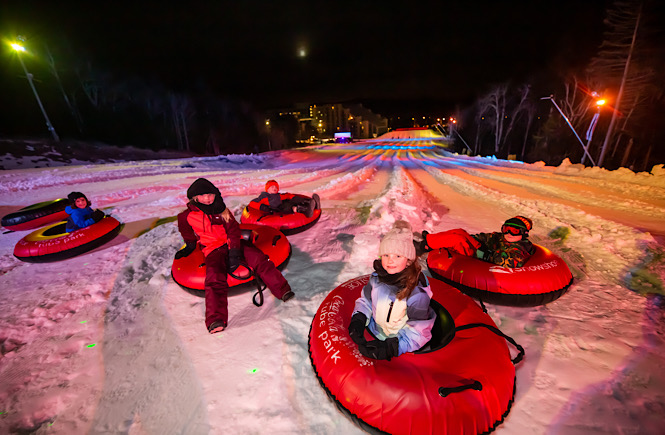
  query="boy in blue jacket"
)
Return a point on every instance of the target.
[{"x": 80, "y": 213}]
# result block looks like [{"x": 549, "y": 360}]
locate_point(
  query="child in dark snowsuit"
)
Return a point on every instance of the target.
[
  {"x": 395, "y": 303},
  {"x": 508, "y": 248},
  {"x": 271, "y": 201},
  {"x": 208, "y": 222},
  {"x": 80, "y": 213}
]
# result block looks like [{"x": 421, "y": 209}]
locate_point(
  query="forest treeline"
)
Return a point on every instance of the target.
[
  {"x": 86, "y": 102},
  {"x": 626, "y": 76}
]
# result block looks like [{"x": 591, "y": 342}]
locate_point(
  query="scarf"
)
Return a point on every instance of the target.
[{"x": 217, "y": 207}]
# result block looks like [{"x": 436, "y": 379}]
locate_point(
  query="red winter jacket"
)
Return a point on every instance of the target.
[{"x": 212, "y": 231}]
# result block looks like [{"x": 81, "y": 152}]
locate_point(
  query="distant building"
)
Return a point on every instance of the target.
[
  {"x": 360, "y": 121},
  {"x": 321, "y": 122}
]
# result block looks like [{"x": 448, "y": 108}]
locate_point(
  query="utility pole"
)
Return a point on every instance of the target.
[{"x": 19, "y": 48}]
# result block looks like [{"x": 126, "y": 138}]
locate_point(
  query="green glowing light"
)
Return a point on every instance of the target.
[
  {"x": 85, "y": 264},
  {"x": 91, "y": 345},
  {"x": 252, "y": 371},
  {"x": 84, "y": 321}
]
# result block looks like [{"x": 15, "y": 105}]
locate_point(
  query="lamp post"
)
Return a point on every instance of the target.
[
  {"x": 592, "y": 126},
  {"x": 584, "y": 147},
  {"x": 19, "y": 48}
]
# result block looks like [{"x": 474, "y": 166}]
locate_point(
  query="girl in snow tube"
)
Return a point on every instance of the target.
[
  {"x": 189, "y": 272},
  {"x": 461, "y": 382},
  {"x": 503, "y": 268},
  {"x": 36, "y": 215},
  {"x": 286, "y": 212},
  {"x": 54, "y": 243},
  {"x": 395, "y": 305}
]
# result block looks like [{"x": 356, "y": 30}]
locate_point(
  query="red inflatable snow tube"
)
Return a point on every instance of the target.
[
  {"x": 543, "y": 278},
  {"x": 461, "y": 382},
  {"x": 36, "y": 215},
  {"x": 287, "y": 223},
  {"x": 53, "y": 243},
  {"x": 190, "y": 272}
]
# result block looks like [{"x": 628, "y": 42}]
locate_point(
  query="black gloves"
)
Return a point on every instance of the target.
[
  {"x": 380, "y": 349},
  {"x": 237, "y": 267},
  {"x": 357, "y": 328},
  {"x": 375, "y": 349},
  {"x": 184, "y": 252},
  {"x": 265, "y": 208},
  {"x": 97, "y": 215},
  {"x": 423, "y": 244}
]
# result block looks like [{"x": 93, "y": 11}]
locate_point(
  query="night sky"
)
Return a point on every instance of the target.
[{"x": 273, "y": 53}]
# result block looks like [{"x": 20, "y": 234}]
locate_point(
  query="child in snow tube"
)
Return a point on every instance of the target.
[
  {"x": 395, "y": 303},
  {"x": 508, "y": 248},
  {"x": 271, "y": 201},
  {"x": 209, "y": 222},
  {"x": 80, "y": 213}
]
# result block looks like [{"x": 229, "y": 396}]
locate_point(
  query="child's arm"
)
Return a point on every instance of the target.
[
  {"x": 418, "y": 329},
  {"x": 260, "y": 197},
  {"x": 233, "y": 235},
  {"x": 364, "y": 302},
  {"x": 186, "y": 230},
  {"x": 83, "y": 217}
]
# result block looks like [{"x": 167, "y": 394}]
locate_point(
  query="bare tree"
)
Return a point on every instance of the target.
[
  {"x": 503, "y": 109},
  {"x": 182, "y": 111},
  {"x": 516, "y": 111},
  {"x": 493, "y": 107},
  {"x": 617, "y": 63}
]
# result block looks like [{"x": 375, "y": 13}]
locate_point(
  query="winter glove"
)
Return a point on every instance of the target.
[
  {"x": 265, "y": 208},
  {"x": 184, "y": 252},
  {"x": 380, "y": 349},
  {"x": 237, "y": 266},
  {"x": 97, "y": 215},
  {"x": 357, "y": 328},
  {"x": 424, "y": 247}
]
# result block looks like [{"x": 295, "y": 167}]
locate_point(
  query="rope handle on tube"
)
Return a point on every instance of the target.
[
  {"x": 260, "y": 286},
  {"x": 497, "y": 331},
  {"x": 443, "y": 391}
]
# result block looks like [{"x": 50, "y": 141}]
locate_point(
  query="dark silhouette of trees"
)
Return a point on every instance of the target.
[
  {"x": 628, "y": 71},
  {"x": 91, "y": 103},
  {"x": 624, "y": 72}
]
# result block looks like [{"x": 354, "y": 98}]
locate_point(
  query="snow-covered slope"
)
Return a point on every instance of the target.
[{"x": 107, "y": 343}]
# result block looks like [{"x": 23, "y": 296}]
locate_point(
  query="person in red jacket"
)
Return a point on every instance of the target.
[{"x": 208, "y": 222}]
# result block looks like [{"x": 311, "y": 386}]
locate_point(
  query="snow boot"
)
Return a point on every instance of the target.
[
  {"x": 216, "y": 327},
  {"x": 288, "y": 295}
]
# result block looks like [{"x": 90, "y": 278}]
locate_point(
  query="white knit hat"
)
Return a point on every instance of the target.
[{"x": 399, "y": 241}]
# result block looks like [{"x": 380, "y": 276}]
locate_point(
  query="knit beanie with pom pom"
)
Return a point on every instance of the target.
[{"x": 399, "y": 241}]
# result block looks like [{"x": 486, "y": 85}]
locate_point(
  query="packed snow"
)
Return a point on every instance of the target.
[{"x": 108, "y": 343}]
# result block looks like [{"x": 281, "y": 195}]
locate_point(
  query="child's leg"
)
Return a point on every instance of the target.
[
  {"x": 457, "y": 240},
  {"x": 216, "y": 287},
  {"x": 287, "y": 206},
  {"x": 266, "y": 270}
]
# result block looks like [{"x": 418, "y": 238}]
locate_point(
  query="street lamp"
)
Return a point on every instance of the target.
[
  {"x": 584, "y": 147},
  {"x": 594, "y": 121},
  {"x": 19, "y": 49}
]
